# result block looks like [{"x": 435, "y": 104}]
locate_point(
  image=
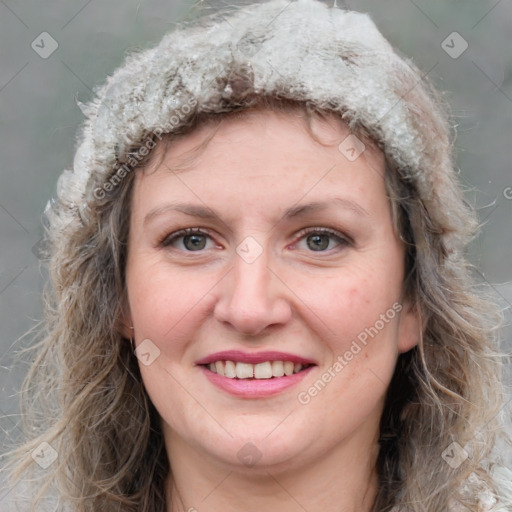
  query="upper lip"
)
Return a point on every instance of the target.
[{"x": 253, "y": 357}]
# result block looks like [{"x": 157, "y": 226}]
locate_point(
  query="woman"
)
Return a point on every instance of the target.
[{"x": 259, "y": 297}]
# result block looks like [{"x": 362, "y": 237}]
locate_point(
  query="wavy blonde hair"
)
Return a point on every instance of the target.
[{"x": 84, "y": 394}]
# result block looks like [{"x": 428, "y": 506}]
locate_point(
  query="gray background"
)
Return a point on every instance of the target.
[{"x": 39, "y": 119}]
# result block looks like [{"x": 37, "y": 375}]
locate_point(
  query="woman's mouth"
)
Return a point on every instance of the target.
[
  {"x": 258, "y": 379},
  {"x": 259, "y": 371}
]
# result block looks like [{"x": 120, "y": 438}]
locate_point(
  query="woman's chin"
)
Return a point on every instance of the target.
[{"x": 259, "y": 454}]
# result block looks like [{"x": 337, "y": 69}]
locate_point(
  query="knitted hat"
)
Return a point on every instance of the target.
[{"x": 302, "y": 50}]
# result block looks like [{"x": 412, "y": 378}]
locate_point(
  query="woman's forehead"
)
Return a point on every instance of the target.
[
  {"x": 265, "y": 163},
  {"x": 248, "y": 133}
]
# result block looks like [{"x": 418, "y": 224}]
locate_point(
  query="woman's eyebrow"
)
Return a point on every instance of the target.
[
  {"x": 187, "y": 208},
  {"x": 317, "y": 206},
  {"x": 203, "y": 212}
]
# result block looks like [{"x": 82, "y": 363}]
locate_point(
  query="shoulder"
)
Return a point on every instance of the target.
[
  {"x": 501, "y": 500},
  {"x": 503, "y": 481},
  {"x": 487, "y": 501}
]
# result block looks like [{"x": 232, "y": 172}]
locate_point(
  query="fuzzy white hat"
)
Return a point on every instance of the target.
[{"x": 302, "y": 50}]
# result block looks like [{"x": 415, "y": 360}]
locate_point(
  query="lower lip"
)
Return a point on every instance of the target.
[{"x": 254, "y": 388}]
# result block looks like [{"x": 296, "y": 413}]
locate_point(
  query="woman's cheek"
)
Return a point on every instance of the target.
[{"x": 353, "y": 312}]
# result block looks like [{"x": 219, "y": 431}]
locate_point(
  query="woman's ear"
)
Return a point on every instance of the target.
[
  {"x": 124, "y": 328},
  {"x": 410, "y": 327},
  {"x": 124, "y": 323}
]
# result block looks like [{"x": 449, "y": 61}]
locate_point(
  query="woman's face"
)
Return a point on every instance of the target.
[{"x": 291, "y": 259}]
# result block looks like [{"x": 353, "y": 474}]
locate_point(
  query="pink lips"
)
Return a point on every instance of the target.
[
  {"x": 253, "y": 358},
  {"x": 254, "y": 388}
]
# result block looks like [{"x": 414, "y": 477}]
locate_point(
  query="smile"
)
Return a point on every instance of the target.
[{"x": 265, "y": 370}]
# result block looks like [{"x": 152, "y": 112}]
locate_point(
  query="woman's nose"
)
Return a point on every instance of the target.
[{"x": 253, "y": 297}]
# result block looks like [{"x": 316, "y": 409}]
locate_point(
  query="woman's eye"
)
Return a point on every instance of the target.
[
  {"x": 195, "y": 239},
  {"x": 188, "y": 239},
  {"x": 323, "y": 240}
]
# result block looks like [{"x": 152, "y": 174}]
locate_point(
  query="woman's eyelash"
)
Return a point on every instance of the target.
[
  {"x": 168, "y": 239},
  {"x": 339, "y": 237}
]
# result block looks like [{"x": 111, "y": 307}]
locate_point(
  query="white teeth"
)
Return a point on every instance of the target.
[
  {"x": 219, "y": 366},
  {"x": 265, "y": 370},
  {"x": 244, "y": 370},
  {"x": 277, "y": 368},
  {"x": 230, "y": 369}
]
